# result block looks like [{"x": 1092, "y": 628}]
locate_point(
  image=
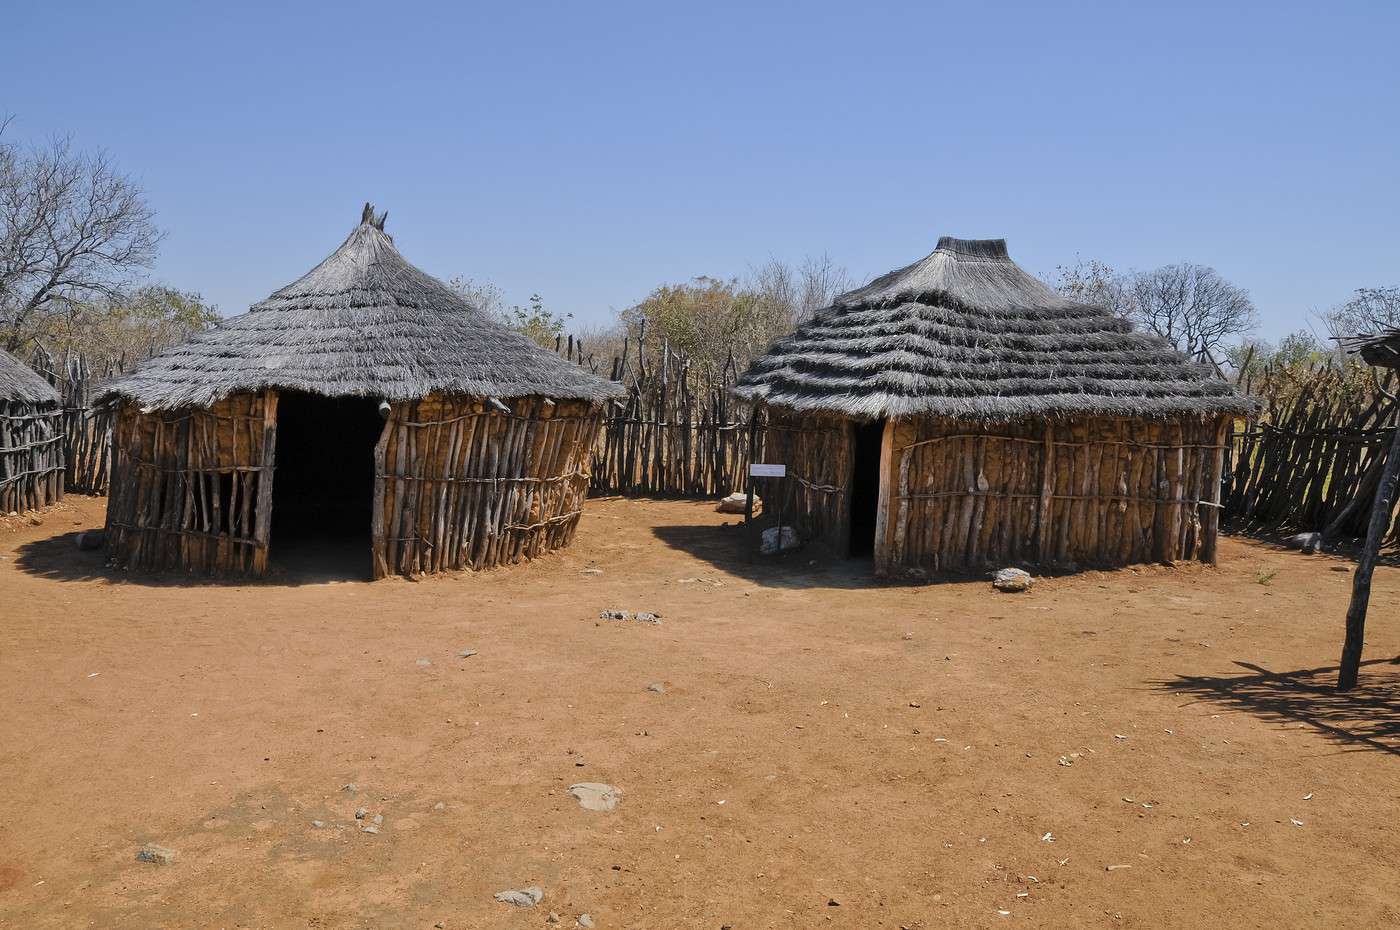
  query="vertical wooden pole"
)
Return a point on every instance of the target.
[
  {"x": 882, "y": 506},
  {"x": 1047, "y": 491},
  {"x": 379, "y": 550},
  {"x": 1361, "y": 580},
  {"x": 262, "y": 529}
]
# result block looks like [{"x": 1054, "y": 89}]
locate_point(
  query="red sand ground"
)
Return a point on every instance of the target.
[{"x": 828, "y": 753}]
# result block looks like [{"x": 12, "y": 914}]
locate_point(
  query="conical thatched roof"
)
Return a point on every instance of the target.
[
  {"x": 20, "y": 383},
  {"x": 1381, "y": 349},
  {"x": 364, "y": 322},
  {"x": 965, "y": 333}
]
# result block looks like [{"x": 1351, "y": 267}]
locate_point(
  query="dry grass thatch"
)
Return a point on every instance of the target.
[
  {"x": 20, "y": 384},
  {"x": 966, "y": 333},
  {"x": 364, "y": 322},
  {"x": 1381, "y": 349}
]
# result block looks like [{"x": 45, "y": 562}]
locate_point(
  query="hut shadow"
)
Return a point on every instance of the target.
[
  {"x": 732, "y": 549},
  {"x": 58, "y": 558},
  {"x": 1365, "y": 718}
]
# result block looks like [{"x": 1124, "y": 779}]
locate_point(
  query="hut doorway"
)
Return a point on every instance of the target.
[
  {"x": 865, "y": 487},
  {"x": 323, "y": 488}
]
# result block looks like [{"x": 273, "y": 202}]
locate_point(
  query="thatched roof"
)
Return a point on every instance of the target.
[
  {"x": 364, "y": 322},
  {"x": 966, "y": 333},
  {"x": 20, "y": 383},
  {"x": 1381, "y": 349}
]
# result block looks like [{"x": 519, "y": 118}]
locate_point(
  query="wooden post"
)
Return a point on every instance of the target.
[
  {"x": 262, "y": 521},
  {"x": 1047, "y": 491},
  {"x": 882, "y": 506},
  {"x": 1361, "y": 580}
]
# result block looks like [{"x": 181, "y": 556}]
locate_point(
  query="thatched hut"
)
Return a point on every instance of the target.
[
  {"x": 366, "y": 401},
  {"x": 31, "y": 438},
  {"x": 958, "y": 413}
]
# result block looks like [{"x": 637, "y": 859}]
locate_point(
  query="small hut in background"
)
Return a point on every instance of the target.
[
  {"x": 365, "y": 402},
  {"x": 31, "y": 438},
  {"x": 958, "y": 413}
]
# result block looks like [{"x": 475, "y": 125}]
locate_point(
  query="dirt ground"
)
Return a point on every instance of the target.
[{"x": 1150, "y": 748}]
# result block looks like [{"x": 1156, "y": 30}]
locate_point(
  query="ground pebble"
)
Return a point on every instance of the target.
[
  {"x": 318, "y": 824},
  {"x": 615, "y": 615},
  {"x": 593, "y": 796},
  {"x": 361, "y": 813},
  {"x": 439, "y": 806},
  {"x": 369, "y": 829},
  {"x": 553, "y": 918},
  {"x": 657, "y": 687},
  {"x": 526, "y": 897},
  {"x": 350, "y": 787},
  {"x": 160, "y": 855},
  {"x": 466, "y": 653},
  {"x": 424, "y": 663},
  {"x": 585, "y": 920},
  {"x": 646, "y": 616},
  {"x": 378, "y": 818},
  {"x": 1011, "y": 580}
]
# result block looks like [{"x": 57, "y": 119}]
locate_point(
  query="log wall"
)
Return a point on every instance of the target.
[
  {"x": 814, "y": 497},
  {"x": 463, "y": 484},
  {"x": 31, "y": 456},
  {"x": 1097, "y": 491},
  {"x": 192, "y": 489}
]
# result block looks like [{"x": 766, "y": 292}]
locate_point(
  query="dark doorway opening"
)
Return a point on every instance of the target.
[
  {"x": 865, "y": 487},
  {"x": 323, "y": 488}
]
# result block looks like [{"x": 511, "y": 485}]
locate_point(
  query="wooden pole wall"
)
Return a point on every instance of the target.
[
  {"x": 462, "y": 484},
  {"x": 31, "y": 456}
]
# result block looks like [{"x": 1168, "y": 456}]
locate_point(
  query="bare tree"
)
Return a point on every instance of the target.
[
  {"x": 1090, "y": 281},
  {"x": 1370, "y": 310},
  {"x": 72, "y": 229},
  {"x": 1191, "y": 306},
  {"x": 483, "y": 295},
  {"x": 802, "y": 290}
]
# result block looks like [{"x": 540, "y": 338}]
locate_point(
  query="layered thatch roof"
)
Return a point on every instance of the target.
[
  {"x": 364, "y": 322},
  {"x": 19, "y": 383},
  {"x": 966, "y": 333},
  {"x": 1381, "y": 349}
]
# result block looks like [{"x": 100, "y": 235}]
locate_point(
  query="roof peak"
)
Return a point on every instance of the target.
[
  {"x": 974, "y": 248},
  {"x": 367, "y": 217}
]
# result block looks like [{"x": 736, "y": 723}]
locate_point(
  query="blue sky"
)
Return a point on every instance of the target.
[{"x": 592, "y": 151}]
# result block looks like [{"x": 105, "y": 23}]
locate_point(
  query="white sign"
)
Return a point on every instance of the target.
[{"x": 768, "y": 471}]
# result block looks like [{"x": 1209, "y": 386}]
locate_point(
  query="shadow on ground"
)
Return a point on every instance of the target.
[
  {"x": 1367, "y": 717},
  {"x": 58, "y": 558}
]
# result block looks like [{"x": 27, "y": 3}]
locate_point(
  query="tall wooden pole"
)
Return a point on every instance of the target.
[{"x": 1361, "y": 581}]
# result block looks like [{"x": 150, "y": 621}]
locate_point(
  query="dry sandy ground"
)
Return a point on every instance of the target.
[{"x": 827, "y": 753}]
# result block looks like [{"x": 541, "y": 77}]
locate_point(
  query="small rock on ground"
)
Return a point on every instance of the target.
[
  {"x": 594, "y": 796},
  {"x": 615, "y": 615},
  {"x": 737, "y": 502},
  {"x": 585, "y": 920},
  {"x": 439, "y": 806},
  {"x": 1011, "y": 580},
  {"x": 160, "y": 855},
  {"x": 646, "y": 616},
  {"x": 657, "y": 687},
  {"x": 424, "y": 663},
  {"x": 526, "y": 897},
  {"x": 777, "y": 539},
  {"x": 466, "y": 653}
]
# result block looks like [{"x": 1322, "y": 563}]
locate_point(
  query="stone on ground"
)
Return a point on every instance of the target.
[
  {"x": 160, "y": 855},
  {"x": 594, "y": 796},
  {"x": 737, "y": 503},
  {"x": 525, "y": 897},
  {"x": 1012, "y": 579},
  {"x": 778, "y": 539}
]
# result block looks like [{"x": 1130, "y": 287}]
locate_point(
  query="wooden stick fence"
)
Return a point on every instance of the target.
[{"x": 1312, "y": 459}]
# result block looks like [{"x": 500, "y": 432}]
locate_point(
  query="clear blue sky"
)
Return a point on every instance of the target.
[{"x": 590, "y": 151}]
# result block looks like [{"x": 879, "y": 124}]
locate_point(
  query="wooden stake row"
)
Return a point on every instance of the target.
[{"x": 31, "y": 456}]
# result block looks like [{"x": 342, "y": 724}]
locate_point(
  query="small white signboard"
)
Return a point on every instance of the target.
[{"x": 767, "y": 471}]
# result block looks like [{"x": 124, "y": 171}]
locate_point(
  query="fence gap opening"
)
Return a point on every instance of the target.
[
  {"x": 865, "y": 487},
  {"x": 323, "y": 488}
]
